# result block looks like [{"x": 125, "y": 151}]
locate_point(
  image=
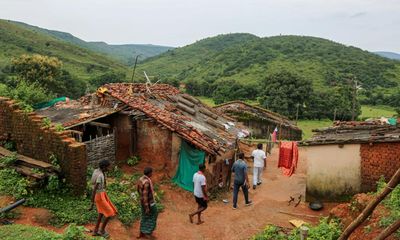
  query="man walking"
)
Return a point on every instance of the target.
[
  {"x": 200, "y": 193},
  {"x": 149, "y": 210},
  {"x": 259, "y": 165},
  {"x": 241, "y": 180}
]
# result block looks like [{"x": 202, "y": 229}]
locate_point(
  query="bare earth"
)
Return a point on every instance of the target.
[{"x": 221, "y": 221}]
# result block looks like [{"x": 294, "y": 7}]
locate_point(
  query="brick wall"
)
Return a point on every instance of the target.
[
  {"x": 378, "y": 159},
  {"x": 38, "y": 142},
  {"x": 100, "y": 148}
]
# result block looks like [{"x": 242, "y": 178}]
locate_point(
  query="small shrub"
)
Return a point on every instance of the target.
[
  {"x": 74, "y": 232},
  {"x": 116, "y": 172},
  {"x": 59, "y": 127},
  {"x": 9, "y": 145},
  {"x": 132, "y": 161},
  {"x": 12, "y": 183},
  {"x": 46, "y": 122},
  {"x": 9, "y": 160}
]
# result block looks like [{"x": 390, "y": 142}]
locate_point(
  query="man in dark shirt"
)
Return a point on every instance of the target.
[{"x": 241, "y": 179}]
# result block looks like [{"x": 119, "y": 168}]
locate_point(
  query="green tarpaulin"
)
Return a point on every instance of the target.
[
  {"x": 189, "y": 160},
  {"x": 50, "y": 103}
]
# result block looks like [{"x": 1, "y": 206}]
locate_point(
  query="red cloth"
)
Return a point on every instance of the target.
[{"x": 288, "y": 157}]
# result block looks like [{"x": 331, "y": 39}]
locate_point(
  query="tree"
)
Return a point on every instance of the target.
[
  {"x": 108, "y": 77},
  {"x": 39, "y": 69},
  {"x": 284, "y": 91},
  {"x": 230, "y": 90}
]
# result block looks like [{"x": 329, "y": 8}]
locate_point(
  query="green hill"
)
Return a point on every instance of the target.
[
  {"x": 15, "y": 40},
  {"x": 248, "y": 59},
  {"x": 125, "y": 53}
]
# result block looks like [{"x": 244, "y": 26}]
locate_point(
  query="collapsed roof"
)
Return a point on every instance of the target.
[
  {"x": 179, "y": 112},
  {"x": 239, "y": 107},
  {"x": 355, "y": 132}
]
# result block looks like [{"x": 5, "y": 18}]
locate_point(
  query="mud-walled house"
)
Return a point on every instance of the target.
[
  {"x": 260, "y": 121},
  {"x": 171, "y": 131},
  {"x": 349, "y": 158}
]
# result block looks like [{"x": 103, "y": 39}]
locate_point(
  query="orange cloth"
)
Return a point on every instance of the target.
[
  {"x": 288, "y": 157},
  {"x": 104, "y": 205}
]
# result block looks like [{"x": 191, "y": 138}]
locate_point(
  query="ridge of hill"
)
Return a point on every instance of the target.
[
  {"x": 248, "y": 59},
  {"x": 16, "y": 40},
  {"x": 125, "y": 53},
  {"x": 390, "y": 55}
]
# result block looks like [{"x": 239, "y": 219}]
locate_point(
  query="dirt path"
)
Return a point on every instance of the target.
[{"x": 221, "y": 221}]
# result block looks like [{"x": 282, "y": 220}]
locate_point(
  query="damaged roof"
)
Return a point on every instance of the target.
[
  {"x": 179, "y": 112},
  {"x": 353, "y": 133},
  {"x": 239, "y": 107}
]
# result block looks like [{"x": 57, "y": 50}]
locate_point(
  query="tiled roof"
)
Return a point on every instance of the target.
[
  {"x": 160, "y": 102},
  {"x": 355, "y": 132}
]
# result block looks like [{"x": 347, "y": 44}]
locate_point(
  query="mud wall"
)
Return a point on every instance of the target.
[
  {"x": 154, "y": 144},
  {"x": 100, "y": 148},
  {"x": 378, "y": 159},
  {"x": 333, "y": 171},
  {"x": 123, "y": 137},
  {"x": 35, "y": 140},
  {"x": 263, "y": 129}
]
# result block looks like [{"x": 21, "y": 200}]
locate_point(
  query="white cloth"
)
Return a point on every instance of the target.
[
  {"x": 98, "y": 177},
  {"x": 257, "y": 172},
  {"x": 259, "y": 156},
  {"x": 199, "y": 180}
]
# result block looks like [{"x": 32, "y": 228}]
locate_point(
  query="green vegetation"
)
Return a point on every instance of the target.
[
  {"x": 16, "y": 39},
  {"x": 234, "y": 66},
  {"x": 376, "y": 111},
  {"x": 22, "y": 232},
  {"x": 324, "y": 230},
  {"x": 13, "y": 184},
  {"x": 391, "y": 202},
  {"x": 125, "y": 53},
  {"x": 132, "y": 161},
  {"x": 308, "y": 125}
]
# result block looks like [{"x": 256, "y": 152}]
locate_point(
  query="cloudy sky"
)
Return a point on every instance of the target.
[{"x": 369, "y": 24}]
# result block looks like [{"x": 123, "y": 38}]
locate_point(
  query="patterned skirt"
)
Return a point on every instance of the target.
[
  {"x": 149, "y": 221},
  {"x": 104, "y": 205}
]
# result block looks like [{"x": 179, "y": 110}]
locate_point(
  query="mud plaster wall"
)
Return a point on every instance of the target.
[
  {"x": 100, "y": 148},
  {"x": 332, "y": 171},
  {"x": 378, "y": 159},
  {"x": 123, "y": 137},
  {"x": 154, "y": 145},
  {"x": 38, "y": 142}
]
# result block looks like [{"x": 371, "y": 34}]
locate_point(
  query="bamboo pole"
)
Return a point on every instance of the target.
[
  {"x": 389, "y": 231},
  {"x": 394, "y": 181}
]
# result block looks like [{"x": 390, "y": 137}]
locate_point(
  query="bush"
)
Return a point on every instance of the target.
[
  {"x": 132, "y": 161},
  {"x": 12, "y": 183},
  {"x": 8, "y": 160},
  {"x": 392, "y": 202}
]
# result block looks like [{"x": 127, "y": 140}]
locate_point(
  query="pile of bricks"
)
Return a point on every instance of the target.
[
  {"x": 378, "y": 159},
  {"x": 37, "y": 141}
]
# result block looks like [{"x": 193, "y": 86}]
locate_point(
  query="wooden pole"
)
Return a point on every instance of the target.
[
  {"x": 388, "y": 231},
  {"x": 394, "y": 181}
]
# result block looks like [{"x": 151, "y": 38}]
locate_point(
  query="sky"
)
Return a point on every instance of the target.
[{"x": 372, "y": 25}]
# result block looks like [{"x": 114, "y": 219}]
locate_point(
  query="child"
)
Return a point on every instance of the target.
[{"x": 99, "y": 196}]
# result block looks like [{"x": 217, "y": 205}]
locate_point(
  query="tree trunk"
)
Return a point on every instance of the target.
[
  {"x": 389, "y": 231},
  {"x": 371, "y": 206}
]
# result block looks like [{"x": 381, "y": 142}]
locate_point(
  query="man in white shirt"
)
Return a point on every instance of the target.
[
  {"x": 200, "y": 193},
  {"x": 259, "y": 165}
]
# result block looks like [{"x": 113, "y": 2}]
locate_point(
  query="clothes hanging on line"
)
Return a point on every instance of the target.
[{"x": 288, "y": 157}]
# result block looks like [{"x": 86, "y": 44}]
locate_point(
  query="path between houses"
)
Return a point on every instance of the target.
[{"x": 221, "y": 221}]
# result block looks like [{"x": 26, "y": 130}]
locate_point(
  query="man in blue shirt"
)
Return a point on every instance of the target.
[{"x": 241, "y": 179}]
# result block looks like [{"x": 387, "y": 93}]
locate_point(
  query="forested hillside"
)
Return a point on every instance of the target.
[
  {"x": 125, "y": 53},
  {"x": 16, "y": 40},
  {"x": 240, "y": 66}
]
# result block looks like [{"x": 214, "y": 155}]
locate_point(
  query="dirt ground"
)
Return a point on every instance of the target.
[{"x": 221, "y": 221}]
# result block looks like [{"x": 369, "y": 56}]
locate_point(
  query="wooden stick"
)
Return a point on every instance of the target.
[
  {"x": 394, "y": 181},
  {"x": 388, "y": 231},
  {"x": 299, "y": 215}
]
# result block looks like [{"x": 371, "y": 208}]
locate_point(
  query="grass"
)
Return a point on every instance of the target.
[
  {"x": 207, "y": 101},
  {"x": 376, "y": 111},
  {"x": 308, "y": 125}
]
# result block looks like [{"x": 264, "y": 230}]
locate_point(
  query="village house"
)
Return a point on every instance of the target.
[
  {"x": 349, "y": 158},
  {"x": 169, "y": 130},
  {"x": 260, "y": 121}
]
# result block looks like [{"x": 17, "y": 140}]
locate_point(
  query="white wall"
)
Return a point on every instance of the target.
[{"x": 333, "y": 171}]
